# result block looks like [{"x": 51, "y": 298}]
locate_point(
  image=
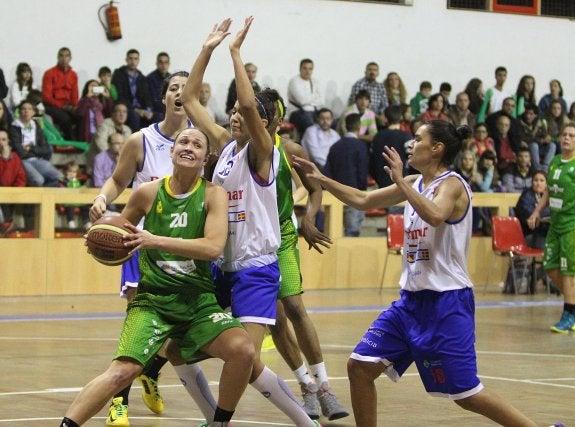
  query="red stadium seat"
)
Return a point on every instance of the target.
[{"x": 395, "y": 237}]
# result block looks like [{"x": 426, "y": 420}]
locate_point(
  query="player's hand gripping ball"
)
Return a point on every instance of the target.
[{"x": 105, "y": 240}]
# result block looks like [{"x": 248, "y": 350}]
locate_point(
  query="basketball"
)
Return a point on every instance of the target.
[{"x": 105, "y": 240}]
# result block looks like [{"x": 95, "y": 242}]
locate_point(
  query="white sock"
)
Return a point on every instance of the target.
[
  {"x": 319, "y": 373},
  {"x": 276, "y": 390},
  {"x": 302, "y": 375},
  {"x": 194, "y": 381}
]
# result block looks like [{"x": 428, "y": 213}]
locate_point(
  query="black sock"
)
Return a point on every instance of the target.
[
  {"x": 67, "y": 422},
  {"x": 569, "y": 308},
  {"x": 154, "y": 370},
  {"x": 222, "y": 415},
  {"x": 124, "y": 394}
]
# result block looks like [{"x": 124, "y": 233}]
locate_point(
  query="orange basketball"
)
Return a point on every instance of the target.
[{"x": 105, "y": 240}]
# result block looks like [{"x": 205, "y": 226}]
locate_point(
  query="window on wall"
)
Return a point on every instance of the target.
[
  {"x": 555, "y": 8},
  {"x": 402, "y": 2}
]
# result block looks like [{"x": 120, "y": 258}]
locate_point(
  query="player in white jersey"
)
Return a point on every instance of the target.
[
  {"x": 145, "y": 157},
  {"x": 432, "y": 324},
  {"x": 248, "y": 271}
]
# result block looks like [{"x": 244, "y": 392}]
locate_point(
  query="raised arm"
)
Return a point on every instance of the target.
[
  {"x": 191, "y": 95},
  {"x": 358, "y": 199},
  {"x": 261, "y": 145},
  {"x": 312, "y": 235},
  {"x": 130, "y": 158}
]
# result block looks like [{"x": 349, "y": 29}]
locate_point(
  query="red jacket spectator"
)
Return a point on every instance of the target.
[
  {"x": 60, "y": 87},
  {"x": 12, "y": 172}
]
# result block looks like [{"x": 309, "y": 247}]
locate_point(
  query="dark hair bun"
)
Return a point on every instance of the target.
[{"x": 464, "y": 132}]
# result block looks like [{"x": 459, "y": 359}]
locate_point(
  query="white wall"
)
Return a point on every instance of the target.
[{"x": 421, "y": 42}]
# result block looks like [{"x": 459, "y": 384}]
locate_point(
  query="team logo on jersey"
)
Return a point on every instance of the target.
[
  {"x": 159, "y": 208},
  {"x": 226, "y": 170},
  {"x": 177, "y": 267},
  {"x": 239, "y": 216},
  {"x": 160, "y": 147},
  {"x": 223, "y": 318},
  {"x": 415, "y": 254}
]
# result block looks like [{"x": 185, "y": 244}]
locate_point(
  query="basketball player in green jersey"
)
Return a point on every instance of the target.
[
  {"x": 559, "y": 258},
  {"x": 185, "y": 228}
]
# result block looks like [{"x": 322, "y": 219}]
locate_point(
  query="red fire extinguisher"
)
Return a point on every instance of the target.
[{"x": 112, "y": 24}]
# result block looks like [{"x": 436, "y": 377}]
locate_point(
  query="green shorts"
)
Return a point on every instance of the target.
[
  {"x": 191, "y": 320},
  {"x": 288, "y": 260},
  {"x": 560, "y": 252}
]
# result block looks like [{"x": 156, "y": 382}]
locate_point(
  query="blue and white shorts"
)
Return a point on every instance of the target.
[
  {"x": 436, "y": 330},
  {"x": 251, "y": 293},
  {"x": 130, "y": 274}
]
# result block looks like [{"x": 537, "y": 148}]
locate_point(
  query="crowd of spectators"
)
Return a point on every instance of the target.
[{"x": 514, "y": 132}]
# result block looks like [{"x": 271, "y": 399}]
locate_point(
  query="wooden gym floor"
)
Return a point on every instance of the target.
[{"x": 51, "y": 346}]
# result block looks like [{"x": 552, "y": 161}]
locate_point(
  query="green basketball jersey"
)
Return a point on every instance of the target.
[
  {"x": 561, "y": 183},
  {"x": 284, "y": 185},
  {"x": 183, "y": 217}
]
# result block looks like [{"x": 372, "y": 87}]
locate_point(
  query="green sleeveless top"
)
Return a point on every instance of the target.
[
  {"x": 284, "y": 185},
  {"x": 561, "y": 184},
  {"x": 183, "y": 217}
]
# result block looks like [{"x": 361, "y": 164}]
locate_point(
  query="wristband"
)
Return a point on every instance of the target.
[{"x": 101, "y": 196}]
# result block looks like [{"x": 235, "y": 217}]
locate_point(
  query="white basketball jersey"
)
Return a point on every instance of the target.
[
  {"x": 435, "y": 258},
  {"x": 253, "y": 220},
  {"x": 157, "y": 161}
]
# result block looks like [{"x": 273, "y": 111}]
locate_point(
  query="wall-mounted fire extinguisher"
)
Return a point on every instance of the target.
[{"x": 112, "y": 24}]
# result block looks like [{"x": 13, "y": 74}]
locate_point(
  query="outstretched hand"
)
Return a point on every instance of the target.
[
  {"x": 309, "y": 168},
  {"x": 395, "y": 165},
  {"x": 219, "y": 32},
  {"x": 237, "y": 41},
  {"x": 314, "y": 237}
]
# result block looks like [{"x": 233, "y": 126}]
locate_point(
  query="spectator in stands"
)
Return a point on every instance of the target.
[
  {"x": 71, "y": 179},
  {"x": 445, "y": 90},
  {"x": 155, "y": 81},
  {"x": 392, "y": 136},
  {"x": 571, "y": 113},
  {"x": 95, "y": 104},
  {"x": 533, "y": 133},
  {"x": 508, "y": 110},
  {"x": 377, "y": 91},
  {"x": 22, "y": 86},
  {"x": 474, "y": 90},
  {"x": 318, "y": 139},
  {"x": 60, "y": 93},
  {"x": 28, "y": 141},
  {"x": 5, "y": 116},
  {"x": 506, "y": 145},
  {"x": 419, "y": 101},
  {"x": 368, "y": 127},
  {"x": 519, "y": 175},
  {"x": 395, "y": 89},
  {"x": 534, "y": 238},
  {"x": 12, "y": 174},
  {"x": 208, "y": 103},
  {"x": 347, "y": 163},
  {"x": 525, "y": 94},
  {"x": 554, "y": 120},
  {"x": 133, "y": 91},
  {"x": 105, "y": 162},
  {"x": 555, "y": 94},
  {"x": 459, "y": 114},
  {"x": 252, "y": 71},
  {"x": 114, "y": 124},
  {"x": 304, "y": 94},
  {"x": 3, "y": 87},
  {"x": 466, "y": 165},
  {"x": 487, "y": 178},
  {"x": 406, "y": 118},
  {"x": 481, "y": 141},
  {"x": 495, "y": 95},
  {"x": 105, "y": 76},
  {"x": 435, "y": 109}
]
